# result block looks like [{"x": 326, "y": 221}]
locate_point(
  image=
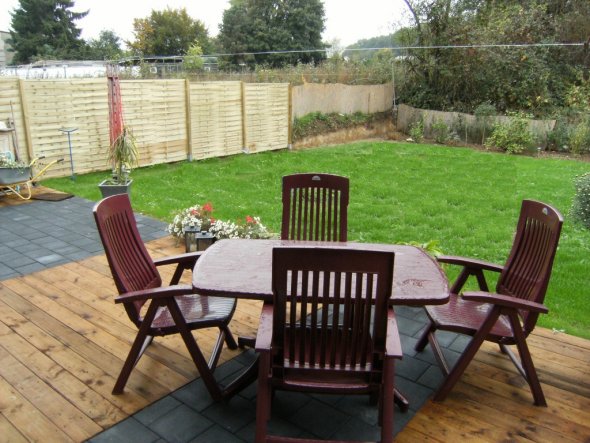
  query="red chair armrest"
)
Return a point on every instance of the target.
[
  {"x": 264, "y": 335},
  {"x": 393, "y": 345},
  {"x": 505, "y": 301},
  {"x": 469, "y": 263},
  {"x": 154, "y": 293},
  {"x": 189, "y": 259}
]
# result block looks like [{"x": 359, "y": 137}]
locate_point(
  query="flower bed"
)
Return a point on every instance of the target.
[{"x": 201, "y": 218}]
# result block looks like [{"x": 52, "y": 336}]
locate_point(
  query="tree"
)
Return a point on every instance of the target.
[
  {"x": 355, "y": 51},
  {"x": 193, "y": 60},
  {"x": 532, "y": 79},
  {"x": 168, "y": 32},
  {"x": 106, "y": 47},
  {"x": 45, "y": 29},
  {"x": 263, "y": 26}
]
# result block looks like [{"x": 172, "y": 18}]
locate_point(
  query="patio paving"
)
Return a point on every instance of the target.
[
  {"x": 189, "y": 414},
  {"x": 44, "y": 234}
]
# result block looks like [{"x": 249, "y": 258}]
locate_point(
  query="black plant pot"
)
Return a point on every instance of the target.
[{"x": 107, "y": 189}]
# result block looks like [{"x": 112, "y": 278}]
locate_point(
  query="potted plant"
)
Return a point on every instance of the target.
[{"x": 123, "y": 156}]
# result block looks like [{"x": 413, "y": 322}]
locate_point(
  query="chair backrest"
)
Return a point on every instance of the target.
[
  {"x": 528, "y": 268},
  {"x": 315, "y": 207},
  {"x": 131, "y": 265},
  {"x": 330, "y": 309}
]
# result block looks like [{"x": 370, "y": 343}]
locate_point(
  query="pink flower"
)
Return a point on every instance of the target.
[
  {"x": 250, "y": 220},
  {"x": 208, "y": 207}
]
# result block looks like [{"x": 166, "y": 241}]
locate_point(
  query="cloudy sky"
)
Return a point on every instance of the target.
[{"x": 346, "y": 20}]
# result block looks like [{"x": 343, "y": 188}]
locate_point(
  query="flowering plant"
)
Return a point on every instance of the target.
[
  {"x": 200, "y": 217},
  {"x": 196, "y": 216}
]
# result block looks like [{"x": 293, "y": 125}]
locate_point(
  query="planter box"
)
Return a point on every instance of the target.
[
  {"x": 109, "y": 189},
  {"x": 11, "y": 176}
]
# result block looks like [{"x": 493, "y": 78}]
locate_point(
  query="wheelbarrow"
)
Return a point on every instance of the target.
[{"x": 19, "y": 180}]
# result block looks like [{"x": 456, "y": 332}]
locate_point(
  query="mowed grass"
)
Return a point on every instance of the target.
[{"x": 465, "y": 199}]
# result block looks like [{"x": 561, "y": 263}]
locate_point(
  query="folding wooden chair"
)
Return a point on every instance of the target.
[
  {"x": 508, "y": 316},
  {"x": 173, "y": 309},
  {"x": 329, "y": 329},
  {"x": 315, "y": 207}
]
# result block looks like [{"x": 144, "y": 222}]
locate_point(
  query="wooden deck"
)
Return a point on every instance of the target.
[{"x": 63, "y": 341}]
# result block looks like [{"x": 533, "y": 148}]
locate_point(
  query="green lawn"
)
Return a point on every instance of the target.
[{"x": 467, "y": 200}]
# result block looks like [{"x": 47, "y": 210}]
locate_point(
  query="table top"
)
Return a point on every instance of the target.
[{"x": 243, "y": 269}]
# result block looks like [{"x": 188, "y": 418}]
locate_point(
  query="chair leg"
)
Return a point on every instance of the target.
[
  {"x": 526, "y": 360},
  {"x": 438, "y": 354},
  {"x": 387, "y": 399},
  {"x": 467, "y": 355},
  {"x": 142, "y": 340},
  {"x": 230, "y": 341},
  {"x": 264, "y": 398},
  {"x": 423, "y": 341},
  {"x": 194, "y": 350},
  {"x": 216, "y": 352}
]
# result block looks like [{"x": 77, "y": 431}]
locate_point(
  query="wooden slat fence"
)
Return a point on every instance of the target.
[
  {"x": 49, "y": 105},
  {"x": 173, "y": 120},
  {"x": 266, "y": 116},
  {"x": 156, "y": 111},
  {"x": 216, "y": 119}
]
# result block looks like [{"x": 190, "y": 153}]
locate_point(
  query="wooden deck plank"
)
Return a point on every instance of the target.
[
  {"x": 574, "y": 374},
  {"x": 49, "y": 395},
  {"x": 42, "y": 295},
  {"x": 89, "y": 374},
  {"x": 62, "y": 332},
  {"x": 9, "y": 433},
  {"x": 537, "y": 423},
  {"x": 30, "y": 421},
  {"x": 97, "y": 355}
]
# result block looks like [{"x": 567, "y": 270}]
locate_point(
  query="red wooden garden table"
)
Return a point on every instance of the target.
[{"x": 243, "y": 269}]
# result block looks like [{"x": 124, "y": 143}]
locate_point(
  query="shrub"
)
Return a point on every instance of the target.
[
  {"x": 581, "y": 206},
  {"x": 558, "y": 139},
  {"x": 579, "y": 141},
  {"x": 417, "y": 131},
  {"x": 482, "y": 114},
  {"x": 513, "y": 137},
  {"x": 440, "y": 131}
]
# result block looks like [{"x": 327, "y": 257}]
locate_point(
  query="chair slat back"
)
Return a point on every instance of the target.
[
  {"x": 131, "y": 265},
  {"x": 528, "y": 268},
  {"x": 330, "y": 308},
  {"x": 315, "y": 207}
]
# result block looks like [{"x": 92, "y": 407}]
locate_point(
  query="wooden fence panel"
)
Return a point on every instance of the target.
[
  {"x": 11, "y": 110},
  {"x": 221, "y": 118},
  {"x": 216, "y": 119},
  {"x": 266, "y": 116},
  {"x": 53, "y": 104},
  {"x": 156, "y": 111}
]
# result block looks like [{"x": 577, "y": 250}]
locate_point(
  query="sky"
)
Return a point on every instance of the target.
[{"x": 346, "y": 20}]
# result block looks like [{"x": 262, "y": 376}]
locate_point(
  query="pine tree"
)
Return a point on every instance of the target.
[{"x": 45, "y": 29}]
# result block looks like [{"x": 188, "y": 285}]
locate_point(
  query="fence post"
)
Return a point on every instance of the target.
[
  {"x": 244, "y": 135},
  {"x": 290, "y": 119},
  {"x": 189, "y": 136},
  {"x": 25, "y": 114}
]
